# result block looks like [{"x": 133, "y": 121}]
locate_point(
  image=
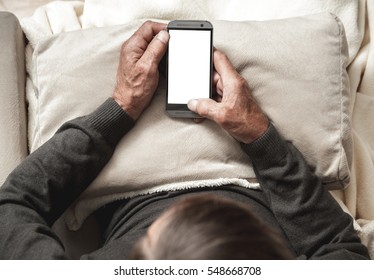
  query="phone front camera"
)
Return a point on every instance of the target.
[{"x": 201, "y": 25}]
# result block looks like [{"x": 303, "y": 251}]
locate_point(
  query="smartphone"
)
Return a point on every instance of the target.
[{"x": 189, "y": 65}]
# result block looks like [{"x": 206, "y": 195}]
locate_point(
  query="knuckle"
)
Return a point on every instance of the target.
[
  {"x": 142, "y": 67},
  {"x": 146, "y": 69},
  {"x": 137, "y": 38},
  {"x": 148, "y": 23}
]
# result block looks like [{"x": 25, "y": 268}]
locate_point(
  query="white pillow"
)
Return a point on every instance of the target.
[
  {"x": 295, "y": 68},
  {"x": 99, "y": 13}
]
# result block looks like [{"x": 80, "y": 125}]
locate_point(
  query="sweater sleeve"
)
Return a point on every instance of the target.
[
  {"x": 40, "y": 189},
  {"x": 312, "y": 220}
]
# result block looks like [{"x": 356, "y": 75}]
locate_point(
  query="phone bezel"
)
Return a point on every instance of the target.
[{"x": 181, "y": 110}]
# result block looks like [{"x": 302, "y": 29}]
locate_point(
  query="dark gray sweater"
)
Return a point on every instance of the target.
[{"x": 39, "y": 190}]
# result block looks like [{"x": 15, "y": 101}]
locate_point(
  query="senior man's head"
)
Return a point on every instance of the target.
[{"x": 210, "y": 227}]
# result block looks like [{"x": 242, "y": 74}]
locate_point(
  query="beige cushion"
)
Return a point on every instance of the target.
[
  {"x": 13, "y": 136},
  {"x": 295, "y": 68}
]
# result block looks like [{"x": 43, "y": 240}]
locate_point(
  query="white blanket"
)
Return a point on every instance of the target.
[{"x": 358, "y": 199}]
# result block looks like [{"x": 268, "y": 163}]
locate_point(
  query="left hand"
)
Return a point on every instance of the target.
[
  {"x": 236, "y": 110},
  {"x": 137, "y": 75}
]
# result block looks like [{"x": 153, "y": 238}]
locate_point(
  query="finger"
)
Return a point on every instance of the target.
[
  {"x": 216, "y": 77},
  {"x": 217, "y": 84},
  {"x": 149, "y": 29},
  {"x": 156, "y": 48},
  {"x": 139, "y": 41},
  {"x": 223, "y": 65},
  {"x": 207, "y": 108}
]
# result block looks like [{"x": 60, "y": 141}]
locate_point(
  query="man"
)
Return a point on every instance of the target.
[{"x": 299, "y": 219}]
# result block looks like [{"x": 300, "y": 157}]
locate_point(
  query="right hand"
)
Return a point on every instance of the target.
[
  {"x": 236, "y": 110},
  {"x": 137, "y": 75}
]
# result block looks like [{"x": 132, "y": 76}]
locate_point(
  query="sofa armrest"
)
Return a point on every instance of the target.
[
  {"x": 13, "y": 128},
  {"x": 13, "y": 125}
]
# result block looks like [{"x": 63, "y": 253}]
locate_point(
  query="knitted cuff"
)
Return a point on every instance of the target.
[
  {"x": 267, "y": 149},
  {"x": 111, "y": 121}
]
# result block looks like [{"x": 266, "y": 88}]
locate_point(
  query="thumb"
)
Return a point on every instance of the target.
[
  {"x": 207, "y": 108},
  {"x": 157, "y": 47}
]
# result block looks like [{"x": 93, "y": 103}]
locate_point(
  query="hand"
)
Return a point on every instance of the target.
[
  {"x": 236, "y": 110},
  {"x": 137, "y": 75}
]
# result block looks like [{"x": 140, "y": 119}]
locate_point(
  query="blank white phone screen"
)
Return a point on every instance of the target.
[{"x": 189, "y": 65}]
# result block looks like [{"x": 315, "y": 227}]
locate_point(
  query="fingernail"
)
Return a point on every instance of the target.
[
  {"x": 163, "y": 36},
  {"x": 192, "y": 104}
]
